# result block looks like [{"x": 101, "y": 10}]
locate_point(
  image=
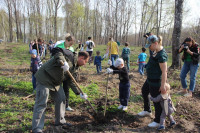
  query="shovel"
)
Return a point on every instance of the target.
[
  {"x": 68, "y": 72},
  {"x": 106, "y": 95}
]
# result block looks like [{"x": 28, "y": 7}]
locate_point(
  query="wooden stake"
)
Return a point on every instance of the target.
[{"x": 106, "y": 96}]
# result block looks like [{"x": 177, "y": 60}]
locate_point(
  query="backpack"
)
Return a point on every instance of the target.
[
  {"x": 90, "y": 45},
  {"x": 126, "y": 51}
]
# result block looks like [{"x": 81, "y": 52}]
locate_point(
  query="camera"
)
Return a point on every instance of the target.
[
  {"x": 186, "y": 46},
  {"x": 146, "y": 35}
]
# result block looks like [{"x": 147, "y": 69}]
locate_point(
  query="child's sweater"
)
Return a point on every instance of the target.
[
  {"x": 123, "y": 74},
  {"x": 163, "y": 101},
  {"x": 36, "y": 63},
  {"x": 97, "y": 60}
]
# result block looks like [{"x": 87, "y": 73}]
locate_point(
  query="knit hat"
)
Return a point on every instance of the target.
[{"x": 118, "y": 62}]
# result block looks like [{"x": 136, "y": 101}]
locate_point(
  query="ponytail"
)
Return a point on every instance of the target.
[{"x": 160, "y": 40}]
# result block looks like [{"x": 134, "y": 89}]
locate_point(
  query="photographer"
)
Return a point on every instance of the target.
[
  {"x": 191, "y": 63},
  {"x": 147, "y": 35}
]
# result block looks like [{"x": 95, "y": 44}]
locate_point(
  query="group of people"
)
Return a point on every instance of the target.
[
  {"x": 52, "y": 77},
  {"x": 156, "y": 85}
]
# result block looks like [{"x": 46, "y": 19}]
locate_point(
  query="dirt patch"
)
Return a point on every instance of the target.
[
  {"x": 8, "y": 50},
  {"x": 82, "y": 79}
]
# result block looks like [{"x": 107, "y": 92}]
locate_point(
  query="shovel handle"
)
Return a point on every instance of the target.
[
  {"x": 68, "y": 72},
  {"x": 106, "y": 96}
]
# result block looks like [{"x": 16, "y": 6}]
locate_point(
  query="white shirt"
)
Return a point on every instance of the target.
[{"x": 87, "y": 43}]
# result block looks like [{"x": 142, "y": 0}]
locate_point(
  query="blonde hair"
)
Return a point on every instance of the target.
[
  {"x": 167, "y": 87},
  {"x": 68, "y": 37},
  {"x": 160, "y": 40}
]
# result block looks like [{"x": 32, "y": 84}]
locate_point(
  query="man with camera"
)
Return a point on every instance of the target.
[
  {"x": 147, "y": 35},
  {"x": 191, "y": 63}
]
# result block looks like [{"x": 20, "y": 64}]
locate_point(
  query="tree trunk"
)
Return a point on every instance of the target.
[
  {"x": 9, "y": 7},
  {"x": 24, "y": 28},
  {"x": 177, "y": 33}
]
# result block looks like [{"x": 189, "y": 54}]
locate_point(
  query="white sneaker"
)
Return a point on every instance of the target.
[
  {"x": 120, "y": 107},
  {"x": 125, "y": 108},
  {"x": 144, "y": 113},
  {"x": 153, "y": 124},
  {"x": 69, "y": 109}
]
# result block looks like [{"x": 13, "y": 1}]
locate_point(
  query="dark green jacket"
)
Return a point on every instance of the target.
[{"x": 52, "y": 75}]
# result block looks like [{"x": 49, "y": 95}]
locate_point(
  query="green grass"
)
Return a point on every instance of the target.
[
  {"x": 18, "y": 54},
  {"x": 92, "y": 90},
  {"x": 136, "y": 98},
  {"x": 10, "y": 83},
  {"x": 113, "y": 108}
]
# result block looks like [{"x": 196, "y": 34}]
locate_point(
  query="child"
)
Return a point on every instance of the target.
[
  {"x": 97, "y": 62},
  {"x": 36, "y": 63},
  {"x": 167, "y": 107},
  {"x": 141, "y": 60},
  {"x": 126, "y": 54},
  {"x": 124, "y": 85}
]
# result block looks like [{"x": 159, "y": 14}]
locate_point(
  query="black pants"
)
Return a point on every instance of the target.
[
  {"x": 124, "y": 93},
  {"x": 66, "y": 90},
  {"x": 90, "y": 54},
  {"x": 154, "y": 91}
]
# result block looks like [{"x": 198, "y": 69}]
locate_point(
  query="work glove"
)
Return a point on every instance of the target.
[
  {"x": 83, "y": 96},
  {"x": 109, "y": 62},
  {"x": 65, "y": 67},
  {"x": 105, "y": 55},
  {"x": 109, "y": 70}
]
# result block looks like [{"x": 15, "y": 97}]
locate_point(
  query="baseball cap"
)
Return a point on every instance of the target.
[
  {"x": 151, "y": 39},
  {"x": 118, "y": 62},
  {"x": 34, "y": 51}
]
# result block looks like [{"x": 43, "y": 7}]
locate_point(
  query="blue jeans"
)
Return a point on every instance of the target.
[
  {"x": 141, "y": 68},
  {"x": 124, "y": 93},
  {"x": 189, "y": 66},
  {"x": 33, "y": 81},
  {"x": 113, "y": 58},
  {"x": 126, "y": 61},
  {"x": 98, "y": 67}
]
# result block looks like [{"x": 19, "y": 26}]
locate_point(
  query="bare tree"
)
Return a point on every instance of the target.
[
  {"x": 9, "y": 8},
  {"x": 57, "y": 5},
  {"x": 177, "y": 33},
  {"x": 17, "y": 7}
]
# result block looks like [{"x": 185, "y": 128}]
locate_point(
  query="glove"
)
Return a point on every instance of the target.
[
  {"x": 109, "y": 70},
  {"x": 65, "y": 67},
  {"x": 84, "y": 96},
  {"x": 109, "y": 62},
  {"x": 105, "y": 55}
]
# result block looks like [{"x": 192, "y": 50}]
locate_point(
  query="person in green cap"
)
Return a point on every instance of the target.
[{"x": 66, "y": 44}]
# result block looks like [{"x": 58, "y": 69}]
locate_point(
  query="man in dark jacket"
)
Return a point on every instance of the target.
[{"x": 49, "y": 77}]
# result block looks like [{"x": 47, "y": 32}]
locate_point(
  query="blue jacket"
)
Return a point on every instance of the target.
[
  {"x": 142, "y": 57},
  {"x": 97, "y": 60}
]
